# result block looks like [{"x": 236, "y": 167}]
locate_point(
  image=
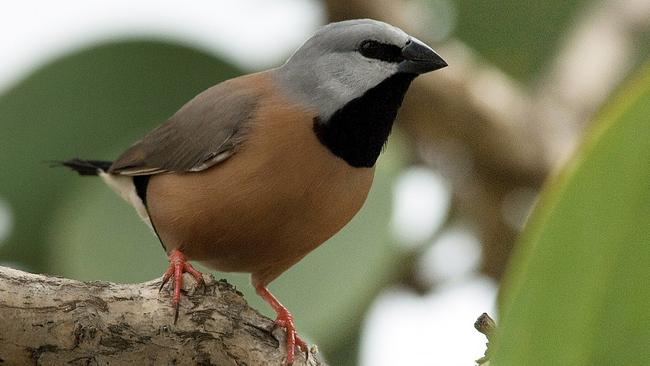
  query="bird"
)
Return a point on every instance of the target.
[{"x": 257, "y": 171}]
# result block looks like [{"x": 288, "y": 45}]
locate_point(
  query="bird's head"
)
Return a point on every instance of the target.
[{"x": 342, "y": 61}]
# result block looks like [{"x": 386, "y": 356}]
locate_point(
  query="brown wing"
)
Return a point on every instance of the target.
[{"x": 202, "y": 133}]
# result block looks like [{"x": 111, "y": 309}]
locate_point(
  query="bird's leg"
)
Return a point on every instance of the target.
[
  {"x": 284, "y": 320},
  {"x": 178, "y": 264}
]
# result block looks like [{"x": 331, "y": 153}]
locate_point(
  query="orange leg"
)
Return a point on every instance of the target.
[
  {"x": 178, "y": 264},
  {"x": 284, "y": 320}
]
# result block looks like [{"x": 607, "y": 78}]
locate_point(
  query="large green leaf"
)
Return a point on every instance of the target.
[{"x": 578, "y": 291}]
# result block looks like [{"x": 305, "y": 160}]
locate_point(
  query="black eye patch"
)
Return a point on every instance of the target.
[{"x": 381, "y": 51}]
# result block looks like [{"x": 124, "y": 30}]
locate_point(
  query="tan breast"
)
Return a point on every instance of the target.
[{"x": 263, "y": 209}]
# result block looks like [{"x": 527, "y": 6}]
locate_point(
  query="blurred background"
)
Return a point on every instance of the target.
[{"x": 405, "y": 280}]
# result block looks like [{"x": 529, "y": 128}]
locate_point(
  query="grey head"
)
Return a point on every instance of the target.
[{"x": 344, "y": 60}]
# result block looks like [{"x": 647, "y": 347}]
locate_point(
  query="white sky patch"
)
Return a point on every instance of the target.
[
  {"x": 255, "y": 34},
  {"x": 453, "y": 256},
  {"x": 403, "y": 328},
  {"x": 420, "y": 203},
  {"x": 435, "y": 18}
]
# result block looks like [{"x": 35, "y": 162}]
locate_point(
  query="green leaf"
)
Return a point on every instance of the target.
[{"x": 578, "y": 290}]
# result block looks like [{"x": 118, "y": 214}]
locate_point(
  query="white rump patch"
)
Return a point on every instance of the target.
[{"x": 123, "y": 185}]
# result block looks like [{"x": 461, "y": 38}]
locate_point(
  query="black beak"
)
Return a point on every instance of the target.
[{"x": 419, "y": 58}]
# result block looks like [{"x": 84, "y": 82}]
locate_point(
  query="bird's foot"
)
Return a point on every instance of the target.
[
  {"x": 285, "y": 320},
  {"x": 178, "y": 265}
]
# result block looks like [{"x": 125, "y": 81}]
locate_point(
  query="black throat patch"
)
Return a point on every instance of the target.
[
  {"x": 141, "y": 183},
  {"x": 357, "y": 132}
]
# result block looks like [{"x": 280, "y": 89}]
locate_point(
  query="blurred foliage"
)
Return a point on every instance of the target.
[
  {"x": 577, "y": 292},
  {"x": 518, "y": 36},
  {"x": 88, "y": 104},
  {"x": 521, "y": 37}
]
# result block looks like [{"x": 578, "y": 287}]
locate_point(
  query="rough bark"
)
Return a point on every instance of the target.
[{"x": 56, "y": 321}]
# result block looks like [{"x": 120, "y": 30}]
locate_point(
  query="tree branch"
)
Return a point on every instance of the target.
[
  {"x": 486, "y": 326},
  {"x": 56, "y": 321}
]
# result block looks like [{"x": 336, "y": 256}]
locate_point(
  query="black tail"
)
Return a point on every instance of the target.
[{"x": 86, "y": 167}]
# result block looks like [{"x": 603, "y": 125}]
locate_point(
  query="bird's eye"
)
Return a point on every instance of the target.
[{"x": 381, "y": 51}]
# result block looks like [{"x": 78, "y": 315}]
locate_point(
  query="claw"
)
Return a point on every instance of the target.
[
  {"x": 285, "y": 320},
  {"x": 175, "y": 313},
  {"x": 166, "y": 277},
  {"x": 303, "y": 346},
  {"x": 178, "y": 264}
]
